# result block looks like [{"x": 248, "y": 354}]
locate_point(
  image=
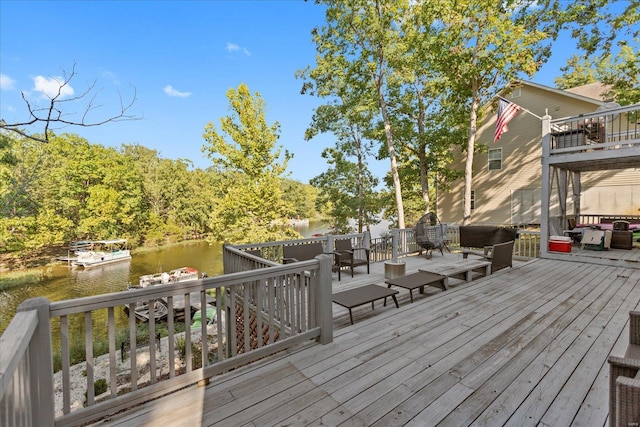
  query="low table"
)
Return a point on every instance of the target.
[
  {"x": 419, "y": 280},
  {"x": 460, "y": 270},
  {"x": 363, "y": 295}
]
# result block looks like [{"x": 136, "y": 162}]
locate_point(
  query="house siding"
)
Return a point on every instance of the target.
[{"x": 511, "y": 196}]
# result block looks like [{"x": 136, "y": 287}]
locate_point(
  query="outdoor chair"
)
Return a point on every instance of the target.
[
  {"x": 624, "y": 380},
  {"x": 500, "y": 255},
  {"x": 351, "y": 257},
  {"x": 306, "y": 252},
  {"x": 430, "y": 234}
]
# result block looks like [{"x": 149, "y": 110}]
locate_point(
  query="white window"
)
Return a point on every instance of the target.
[
  {"x": 495, "y": 159},
  {"x": 516, "y": 92}
]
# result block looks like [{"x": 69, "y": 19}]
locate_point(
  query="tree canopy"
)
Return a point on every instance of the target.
[{"x": 250, "y": 206}]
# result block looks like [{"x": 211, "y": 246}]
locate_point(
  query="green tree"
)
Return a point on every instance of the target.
[
  {"x": 301, "y": 197},
  {"x": 482, "y": 48},
  {"x": 346, "y": 192},
  {"x": 578, "y": 71},
  {"x": 597, "y": 24},
  {"x": 621, "y": 73},
  {"x": 354, "y": 49},
  {"x": 251, "y": 207},
  {"x": 344, "y": 120},
  {"x": 425, "y": 125}
]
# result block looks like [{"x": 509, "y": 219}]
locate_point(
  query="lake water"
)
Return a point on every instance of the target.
[{"x": 67, "y": 283}]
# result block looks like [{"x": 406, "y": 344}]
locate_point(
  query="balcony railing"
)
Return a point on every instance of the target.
[
  {"x": 606, "y": 130},
  {"x": 284, "y": 304}
]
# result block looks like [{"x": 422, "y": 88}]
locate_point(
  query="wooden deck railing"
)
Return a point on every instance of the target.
[
  {"x": 289, "y": 303},
  {"x": 26, "y": 374},
  {"x": 599, "y": 218},
  {"x": 395, "y": 244},
  {"x": 284, "y": 304}
]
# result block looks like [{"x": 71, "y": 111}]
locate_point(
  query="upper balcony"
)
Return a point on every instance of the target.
[{"x": 604, "y": 140}]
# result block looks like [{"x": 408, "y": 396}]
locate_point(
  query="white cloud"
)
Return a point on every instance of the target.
[
  {"x": 50, "y": 86},
  {"x": 6, "y": 82},
  {"x": 232, "y": 47},
  {"x": 169, "y": 90}
]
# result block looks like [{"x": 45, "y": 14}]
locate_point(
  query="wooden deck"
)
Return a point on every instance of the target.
[{"x": 524, "y": 346}]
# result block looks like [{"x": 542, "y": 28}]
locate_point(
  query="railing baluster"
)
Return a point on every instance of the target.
[
  {"x": 259, "y": 301},
  {"x": 247, "y": 318},
  {"x": 219, "y": 308},
  {"x": 187, "y": 331},
  {"x": 132, "y": 346},
  {"x": 113, "y": 382},
  {"x": 271, "y": 295},
  {"x": 291, "y": 293},
  {"x": 152, "y": 341},
  {"x": 88, "y": 343},
  {"x": 204, "y": 320},
  {"x": 303, "y": 307},
  {"x": 64, "y": 355},
  {"x": 171, "y": 337}
]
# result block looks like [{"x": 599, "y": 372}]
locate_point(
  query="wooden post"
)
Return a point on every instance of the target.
[
  {"x": 394, "y": 244},
  {"x": 322, "y": 289},
  {"x": 546, "y": 186},
  {"x": 575, "y": 183},
  {"x": 366, "y": 239},
  {"x": 329, "y": 243},
  {"x": 41, "y": 364}
]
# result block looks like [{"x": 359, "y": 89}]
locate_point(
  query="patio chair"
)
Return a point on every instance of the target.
[
  {"x": 624, "y": 380},
  {"x": 306, "y": 252},
  {"x": 430, "y": 234},
  {"x": 351, "y": 257},
  {"x": 500, "y": 255}
]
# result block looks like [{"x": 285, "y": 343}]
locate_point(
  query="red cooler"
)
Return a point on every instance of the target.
[{"x": 559, "y": 244}]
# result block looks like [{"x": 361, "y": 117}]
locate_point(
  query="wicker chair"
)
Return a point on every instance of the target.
[
  {"x": 624, "y": 380},
  {"x": 430, "y": 234},
  {"x": 351, "y": 257},
  {"x": 500, "y": 255}
]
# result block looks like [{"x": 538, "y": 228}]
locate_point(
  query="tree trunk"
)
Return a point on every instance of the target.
[
  {"x": 468, "y": 167},
  {"x": 394, "y": 163},
  {"x": 422, "y": 158}
]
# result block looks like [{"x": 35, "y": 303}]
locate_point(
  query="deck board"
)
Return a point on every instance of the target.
[{"x": 524, "y": 346}]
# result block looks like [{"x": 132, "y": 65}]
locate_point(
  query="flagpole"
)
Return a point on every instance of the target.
[{"x": 523, "y": 109}]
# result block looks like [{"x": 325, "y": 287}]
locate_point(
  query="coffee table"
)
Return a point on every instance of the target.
[
  {"x": 459, "y": 269},
  {"x": 419, "y": 280},
  {"x": 363, "y": 295}
]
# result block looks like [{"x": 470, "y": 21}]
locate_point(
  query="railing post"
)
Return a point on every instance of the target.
[
  {"x": 329, "y": 243},
  {"x": 41, "y": 364},
  {"x": 394, "y": 244},
  {"x": 322, "y": 289},
  {"x": 546, "y": 186}
]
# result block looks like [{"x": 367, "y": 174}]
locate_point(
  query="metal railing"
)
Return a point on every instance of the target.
[{"x": 605, "y": 130}]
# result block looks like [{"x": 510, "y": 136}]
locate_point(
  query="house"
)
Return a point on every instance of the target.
[{"x": 507, "y": 174}]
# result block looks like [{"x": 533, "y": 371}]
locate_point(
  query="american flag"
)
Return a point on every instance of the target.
[{"x": 506, "y": 111}]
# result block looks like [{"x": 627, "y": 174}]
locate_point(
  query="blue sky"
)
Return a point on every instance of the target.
[{"x": 181, "y": 57}]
